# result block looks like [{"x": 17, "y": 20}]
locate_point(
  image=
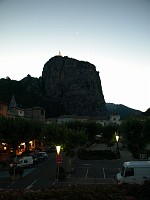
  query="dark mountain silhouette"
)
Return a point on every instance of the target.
[
  {"x": 147, "y": 112},
  {"x": 123, "y": 110}
]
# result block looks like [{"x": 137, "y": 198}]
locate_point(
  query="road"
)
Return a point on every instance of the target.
[
  {"x": 78, "y": 171},
  {"x": 82, "y": 171},
  {"x": 44, "y": 175}
]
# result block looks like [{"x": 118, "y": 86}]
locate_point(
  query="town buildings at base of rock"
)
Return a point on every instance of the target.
[
  {"x": 114, "y": 118},
  {"x": 13, "y": 111},
  {"x": 38, "y": 114}
]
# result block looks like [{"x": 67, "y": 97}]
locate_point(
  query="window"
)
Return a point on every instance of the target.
[{"x": 129, "y": 172}]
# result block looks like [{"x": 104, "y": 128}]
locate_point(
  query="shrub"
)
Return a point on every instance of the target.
[{"x": 97, "y": 154}]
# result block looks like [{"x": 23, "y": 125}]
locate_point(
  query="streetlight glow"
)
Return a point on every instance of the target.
[
  {"x": 117, "y": 138},
  {"x": 58, "y": 149},
  {"x": 58, "y": 160}
]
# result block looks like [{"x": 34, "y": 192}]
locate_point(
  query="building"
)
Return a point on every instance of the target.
[
  {"x": 33, "y": 113},
  {"x": 65, "y": 118},
  {"x": 103, "y": 120},
  {"x": 82, "y": 118},
  {"x": 115, "y": 118},
  {"x": 71, "y": 118},
  {"x": 3, "y": 109},
  {"x": 15, "y": 112}
]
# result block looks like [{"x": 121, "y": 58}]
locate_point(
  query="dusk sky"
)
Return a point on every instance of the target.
[{"x": 114, "y": 35}]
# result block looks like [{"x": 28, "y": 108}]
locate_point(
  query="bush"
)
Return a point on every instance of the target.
[
  {"x": 82, "y": 192},
  {"x": 146, "y": 189},
  {"x": 97, "y": 154}
]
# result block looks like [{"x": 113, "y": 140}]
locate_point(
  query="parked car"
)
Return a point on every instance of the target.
[
  {"x": 41, "y": 156},
  {"x": 50, "y": 148},
  {"x": 43, "y": 153},
  {"x": 134, "y": 172},
  {"x": 25, "y": 162}
]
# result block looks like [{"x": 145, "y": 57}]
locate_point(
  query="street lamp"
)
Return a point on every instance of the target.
[
  {"x": 117, "y": 139},
  {"x": 58, "y": 159},
  {"x": 58, "y": 150}
]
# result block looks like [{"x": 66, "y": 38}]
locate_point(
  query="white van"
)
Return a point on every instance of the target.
[
  {"x": 134, "y": 172},
  {"x": 25, "y": 161}
]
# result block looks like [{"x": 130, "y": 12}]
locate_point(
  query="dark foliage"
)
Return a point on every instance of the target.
[
  {"x": 82, "y": 192},
  {"x": 24, "y": 98},
  {"x": 97, "y": 154}
]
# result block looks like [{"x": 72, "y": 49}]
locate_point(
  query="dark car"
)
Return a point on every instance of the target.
[
  {"x": 36, "y": 159},
  {"x": 42, "y": 155}
]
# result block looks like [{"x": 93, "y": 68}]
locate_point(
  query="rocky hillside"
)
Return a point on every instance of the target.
[
  {"x": 23, "y": 96},
  {"x": 67, "y": 86},
  {"x": 74, "y": 86}
]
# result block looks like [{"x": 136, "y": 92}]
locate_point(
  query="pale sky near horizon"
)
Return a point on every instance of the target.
[{"x": 114, "y": 35}]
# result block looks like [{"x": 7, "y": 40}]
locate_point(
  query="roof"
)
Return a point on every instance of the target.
[
  {"x": 137, "y": 164},
  {"x": 34, "y": 108},
  {"x": 13, "y": 102},
  {"x": 66, "y": 116},
  {"x": 1, "y": 102}
]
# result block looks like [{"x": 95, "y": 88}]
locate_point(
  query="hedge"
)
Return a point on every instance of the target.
[
  {"x": 82, "y": 192},
  {"x": 97, "y": 154}
]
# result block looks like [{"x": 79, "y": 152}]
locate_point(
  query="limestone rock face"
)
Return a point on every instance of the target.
[{"x": 72, "y": 86}]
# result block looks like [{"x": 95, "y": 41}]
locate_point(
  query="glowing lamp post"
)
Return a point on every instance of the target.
[
  {"x": 58, "y": 150},
  {"x": 117, "y": 139},
  {"x": 58, "y": 160}
]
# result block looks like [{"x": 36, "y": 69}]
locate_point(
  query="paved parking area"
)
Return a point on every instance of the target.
[
  {"x": 93, "y": 172},
  {"x": 98, "y": 171}
]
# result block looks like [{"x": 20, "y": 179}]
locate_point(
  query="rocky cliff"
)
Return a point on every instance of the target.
[
  {"x": 67, "y": 86},
  {"x": 72, "y": 87}
]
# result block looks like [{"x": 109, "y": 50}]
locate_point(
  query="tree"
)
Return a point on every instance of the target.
[
  {"x": 146, "y": 130},
  {"x": 91, "y": 130},
  {"x": 60, "y": 134},
  {"x": 12, "y": 133},
  {"x": 133, "y": 132},
  {"x": 73, "y": 139},
  {"x": 3, "y": 127},
  {"x": 109, "y": 134}
]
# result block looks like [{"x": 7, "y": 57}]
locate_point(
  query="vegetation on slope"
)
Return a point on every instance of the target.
[
  {"x": 82, "y": 192},
  {"x": 9, "y": 87}
]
